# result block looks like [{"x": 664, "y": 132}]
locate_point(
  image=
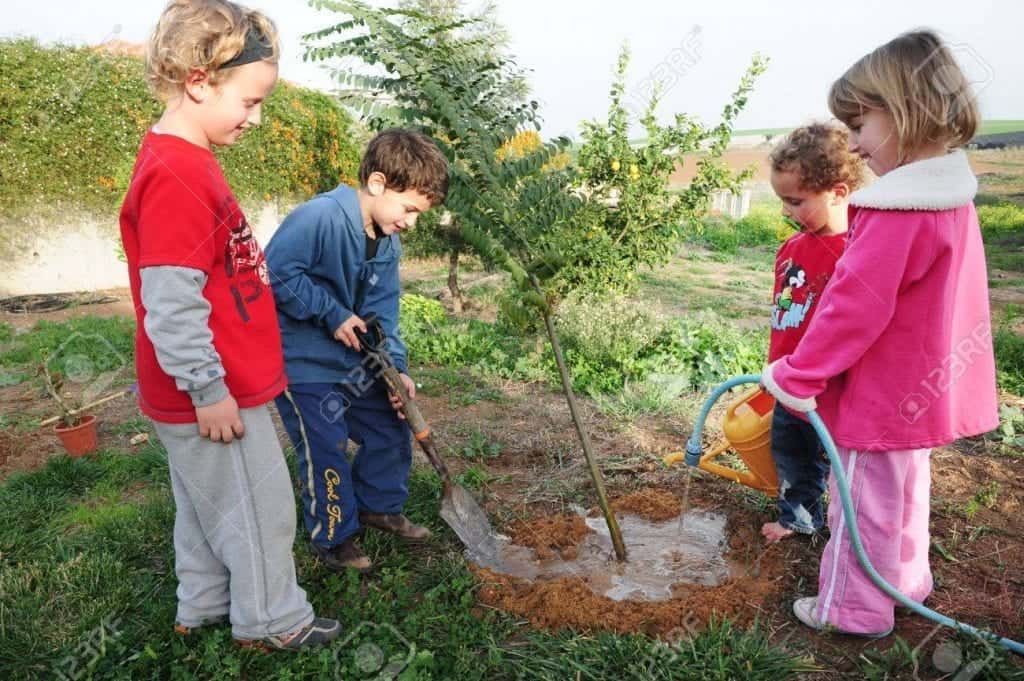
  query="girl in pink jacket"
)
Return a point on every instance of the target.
[{"x": 899, "y": 357}]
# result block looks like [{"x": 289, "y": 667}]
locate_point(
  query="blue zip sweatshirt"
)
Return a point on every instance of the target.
[{"x": 320, "y": 277}]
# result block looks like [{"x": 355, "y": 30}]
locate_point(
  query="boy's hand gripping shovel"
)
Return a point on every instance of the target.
[{"x": 458, "y": 508}]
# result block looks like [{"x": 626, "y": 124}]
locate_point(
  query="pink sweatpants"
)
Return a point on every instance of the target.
[{"x": 890, "y": 494}]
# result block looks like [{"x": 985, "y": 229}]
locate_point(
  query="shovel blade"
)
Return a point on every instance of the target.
[{"x": 463, "y": 514}]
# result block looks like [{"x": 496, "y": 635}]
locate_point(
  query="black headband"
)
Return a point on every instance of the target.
[{"x": 257, "y": 48}]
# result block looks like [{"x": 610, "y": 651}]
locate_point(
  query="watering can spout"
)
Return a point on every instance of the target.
[
  {"x": 691, "y": 457},
  {"x": 747, "y": 429}
]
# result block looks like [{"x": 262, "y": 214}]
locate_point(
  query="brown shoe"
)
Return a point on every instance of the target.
[
  {"x": 395, "y": 523},
  {"x": 345, "y": 555}
]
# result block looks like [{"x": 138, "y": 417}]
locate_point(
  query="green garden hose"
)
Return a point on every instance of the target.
[{"x": 693, "y": 454}]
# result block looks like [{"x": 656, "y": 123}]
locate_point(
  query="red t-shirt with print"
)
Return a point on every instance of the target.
[
  {"x": 179, "y": 211},
  {"x": 804, "y": 264}
]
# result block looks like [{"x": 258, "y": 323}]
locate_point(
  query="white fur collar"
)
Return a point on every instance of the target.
[{"x": 937, "y": 183}]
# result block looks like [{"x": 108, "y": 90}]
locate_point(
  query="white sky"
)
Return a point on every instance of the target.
[{"x": 571, "y": 47}]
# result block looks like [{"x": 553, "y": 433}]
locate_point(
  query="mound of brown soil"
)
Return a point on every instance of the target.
[
  {"x": 651, "y": 504},
  {"x": 569, "y": 603},
  {"x": 559, "y": 533}
]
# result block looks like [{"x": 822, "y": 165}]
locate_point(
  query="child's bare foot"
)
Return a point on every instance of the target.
[{"x": 773, "y": 532}]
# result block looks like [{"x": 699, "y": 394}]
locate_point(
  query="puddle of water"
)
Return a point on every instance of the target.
[{"x": 688, "y": 549}]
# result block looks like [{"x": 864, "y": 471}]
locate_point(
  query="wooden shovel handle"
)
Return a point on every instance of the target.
[{"x": 418, "y": 424}]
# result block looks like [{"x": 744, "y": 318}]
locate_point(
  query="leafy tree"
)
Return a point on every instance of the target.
[
  {"x": 451, "y": 42},
  {"x": 520, "y": 208}
]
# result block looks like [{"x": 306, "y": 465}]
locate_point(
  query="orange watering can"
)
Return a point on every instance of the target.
[{"x": 747, "y": 426}]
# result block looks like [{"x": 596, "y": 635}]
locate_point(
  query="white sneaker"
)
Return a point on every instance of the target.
[{"x": 804, "y": 609}]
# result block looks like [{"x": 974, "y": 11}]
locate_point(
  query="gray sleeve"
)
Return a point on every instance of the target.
[{"x": 177, "y": 323}]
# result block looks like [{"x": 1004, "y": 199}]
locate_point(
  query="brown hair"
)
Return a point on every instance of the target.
[
  {"x": 201, "y": 34},
  {"x": 409, "y": 160},
  {"x": 819, "y": 154},
  {"x": 915, "y": 78}
]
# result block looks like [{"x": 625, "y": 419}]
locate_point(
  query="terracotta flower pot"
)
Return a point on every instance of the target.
[{"x": 79, "y": 439}]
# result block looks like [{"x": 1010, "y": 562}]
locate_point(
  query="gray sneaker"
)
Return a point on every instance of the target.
[{"x": 318, "y": 632}]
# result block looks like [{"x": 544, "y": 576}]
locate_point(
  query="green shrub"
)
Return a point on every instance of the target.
[
  {"x": 1009, "y": 351},
  {"x": 607, "y": 344},
  {"x": 433, "y": 338},
  {"x": 1000, "y": 218},
  {"x": 71, "y": 120},
  {"x": 763, "y": 226}
]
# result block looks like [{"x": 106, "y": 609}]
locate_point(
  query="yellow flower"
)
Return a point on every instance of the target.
[{"x": 616, "y": 165}]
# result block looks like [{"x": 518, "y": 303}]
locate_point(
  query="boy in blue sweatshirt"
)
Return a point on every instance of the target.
[{"x": 333, "y": 261}]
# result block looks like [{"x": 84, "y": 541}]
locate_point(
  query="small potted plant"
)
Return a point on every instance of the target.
[{"x": 77, "y": 431}]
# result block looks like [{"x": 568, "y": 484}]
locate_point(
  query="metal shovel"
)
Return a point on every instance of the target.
[{"x": 458, "y": 507}]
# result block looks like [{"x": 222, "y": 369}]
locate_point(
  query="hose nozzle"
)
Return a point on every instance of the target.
[{"x": 693, "y": 452}]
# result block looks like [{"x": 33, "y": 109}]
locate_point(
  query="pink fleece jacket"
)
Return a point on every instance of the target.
[{"x": 899, "y": 355}]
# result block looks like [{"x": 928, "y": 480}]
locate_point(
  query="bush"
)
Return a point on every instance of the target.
[
  {"x": 1001, "y": 218},
  {"x": 607, "y": 345},
  {"x": 1009, "y": 351},
  {"x": 763, "y": 226},
  {"x": 71, "y": 120},
  {"x": 433, "y": 338}
]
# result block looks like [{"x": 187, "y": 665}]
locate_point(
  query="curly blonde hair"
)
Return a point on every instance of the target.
[
  {"x": 203, "y": 35},
  {"x": 915, "y": 78},
  {"x": 819, "y": 154}
]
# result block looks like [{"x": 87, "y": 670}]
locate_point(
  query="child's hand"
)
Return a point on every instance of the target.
[
  {"x": 220, "y": 422},
  {"x": 410, "y": 387},
  {"x": 346, "y": 334}
]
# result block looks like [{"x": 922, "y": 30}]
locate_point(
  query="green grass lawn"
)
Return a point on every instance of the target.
[
  {"x": 87, "y": 583},
  {"x": 998, "y": 126},
  {"x": 987, "y": 128}
]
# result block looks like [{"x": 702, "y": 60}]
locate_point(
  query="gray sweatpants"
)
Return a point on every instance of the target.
[{"x": 234, "y": 529}]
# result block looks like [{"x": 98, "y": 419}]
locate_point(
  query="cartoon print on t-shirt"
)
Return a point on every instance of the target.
[
  {"x": 795, "y": 277},
  {"x": 243, "y": 255},
  {"x": 793, "y": 302}
]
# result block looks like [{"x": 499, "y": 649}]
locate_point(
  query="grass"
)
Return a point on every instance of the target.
[
  {"x": 91, "y": 353},
  {"x": 107, "y": 342},
  {"x": 87, "y": 583},
  {"x": 987, "y": 128},
  {"x": 479, "y": 447},
  {"x": 1009, "y": 351},
  {"x": 999, "y": 126},
  {"x": 460, "y": 387}
]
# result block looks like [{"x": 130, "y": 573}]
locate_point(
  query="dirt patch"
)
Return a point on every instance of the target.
[
  {"x": 651, "y": 504},
  {"x": 736, "y": 159},
  {"x": 10, "y": 444},
  {"x": 547, "y": 535},
  {"x": 569, "y": 602},
  {"x": 117, "y": 303},
  {"x": 29, "y": 447}
]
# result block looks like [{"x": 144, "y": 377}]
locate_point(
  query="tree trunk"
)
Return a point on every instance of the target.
[
  {"x": 453, "y": 282},
  {"x": 588, "y": 450}
]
